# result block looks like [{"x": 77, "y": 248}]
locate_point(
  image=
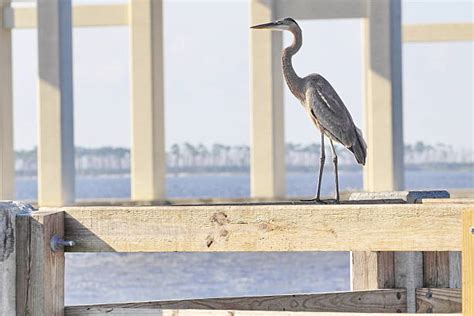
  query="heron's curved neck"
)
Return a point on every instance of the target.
[{"x": 295, "y": 83}]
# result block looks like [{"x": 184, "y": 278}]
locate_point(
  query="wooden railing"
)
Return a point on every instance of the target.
[{"x": 38, "y": 288}]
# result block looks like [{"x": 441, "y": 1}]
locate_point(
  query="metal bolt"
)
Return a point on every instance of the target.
[
  {"x": 471, "y": 229},
  {"x": 57, "y": 243}
]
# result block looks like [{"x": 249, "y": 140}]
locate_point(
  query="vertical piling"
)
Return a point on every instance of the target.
[
  {"x": 148, "y": 158},
  {"x": 383, "y": 126},
  {"x": 267, "y": 164},
  {"x": 7, "y": 155},
  {"x": 56, "y": 170}
]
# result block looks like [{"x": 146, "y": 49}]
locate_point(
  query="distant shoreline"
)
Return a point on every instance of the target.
[{"x": 172, "y": 172}]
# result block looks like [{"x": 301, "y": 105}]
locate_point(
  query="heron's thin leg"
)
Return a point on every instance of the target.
[
  {"x": 334, "y": 159},
  {"x": 321, "y": 167}
]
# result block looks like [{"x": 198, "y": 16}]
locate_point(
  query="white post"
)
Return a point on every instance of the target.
[
  {"x": 55, "y": 106},
  {"x": 383, "y": 105},
  {"x": 7, "y": 154},
  {"x": 267, "y": 165},
  {"x": 148, "y": 161}
]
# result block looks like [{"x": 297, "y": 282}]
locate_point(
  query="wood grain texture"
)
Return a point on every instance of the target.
[
  {"x": 372, "y": 270},
  {"x": 265, "y": 228},
  {"x": 449, "y": 201},
  {"x": 40, "y": 271},
  {"x": 432, "y": 300},
  {"x": 436, "y": 269},
  {"x": 177, "y": 312},
  {"x": 387, "y": 301},
  {"x": 468, "y": 263}
]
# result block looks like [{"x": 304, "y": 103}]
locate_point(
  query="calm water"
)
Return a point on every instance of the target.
[
  {"x": 115, "y": 277},
  {"x": 227, "y": 186}
]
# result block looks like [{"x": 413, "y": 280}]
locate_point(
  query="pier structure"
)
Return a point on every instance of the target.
[
  {"x": 383, "y": 124},
  {"x": 34, "y": 243}
]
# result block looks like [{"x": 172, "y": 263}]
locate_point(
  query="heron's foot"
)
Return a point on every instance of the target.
[{"x": 315, "y": 200}]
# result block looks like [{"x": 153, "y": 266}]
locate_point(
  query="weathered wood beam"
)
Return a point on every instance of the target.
[
  {"x": 436, "y": 269},
  {"x": 266, "y": 227},
  {"x": 438, "y": 32},
  {"x": 434, "y": 300},
  {"x": 377, "y": 301},
  {"x": 40, "y": 271},
  {"x": 468, "y": 263},
  {"x": 82, "y": 16},
  {"x": 321, "y": 9},
  {"x": 181, "y": 312},
  {"x": 8, "y": 255},
  {"x": 372, "y": 270}
]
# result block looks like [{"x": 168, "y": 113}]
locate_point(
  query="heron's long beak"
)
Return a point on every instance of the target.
[{"x": 270, "y": 25}]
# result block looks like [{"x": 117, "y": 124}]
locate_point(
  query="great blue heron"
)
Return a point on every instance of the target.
[{"x": 321, "y": 102}]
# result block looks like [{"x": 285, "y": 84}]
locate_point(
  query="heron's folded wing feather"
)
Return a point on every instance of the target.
[{"x": 330, "y": 112}]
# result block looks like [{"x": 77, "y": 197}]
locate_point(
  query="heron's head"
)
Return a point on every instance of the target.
[{"x": 285, "y": 24}]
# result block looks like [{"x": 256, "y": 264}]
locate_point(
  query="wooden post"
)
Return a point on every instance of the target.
[
  {"x": 7, "y": 154},
  {"x": 267, "y": 164},
  {"x": 40, "y": 271},
  {"x": 55, "y": 106},
  {"x": 383, "y": 126},
  {"x": 8, "y": 237},
  {"x": 148, "y": 161},
  {"x": 468, "y": 263}
]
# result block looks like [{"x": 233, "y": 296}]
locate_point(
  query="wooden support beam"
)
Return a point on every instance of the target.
[
  {"x": 438, "y": 32},
  {"x": 383, "y": 125},
  {"x": 82, "y": 16},
  {"x": 267, "y": 163},
  {"x": 378, "y": 301},
  {"x": 183, "y": 312},
  {"x": 409, "y": 274},
  {"x": 40, "y": 271},
  {"x": 321, "y": 9},
  {"x": 266, "y": 227},
  {"x": 468, "y": 262},
  {"x": 8, "y": 254},
  {"x": 433, "y": 300},
  {"x": 372, "y": 270},
  {"x": 436, "y": 269},
  {"x": 148, "y": 156},
  {"x": 455, "y": 269},
  {"x": 7, "y": 153},
  {"x": 56, "y": 170}
]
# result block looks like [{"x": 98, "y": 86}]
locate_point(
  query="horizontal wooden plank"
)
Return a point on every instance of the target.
[
  {"x": 448, "y": 201},
  {"x": 177, "y": 312},
  {"x": 375, "y": 301},
  {"x": 438, "y": 300},
  {"x": 266, "y": 227},
  {"x": 83, "y": 16},
  {"x": 438, "y": 32}
]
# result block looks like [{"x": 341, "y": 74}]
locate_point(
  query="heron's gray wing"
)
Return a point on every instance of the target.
[{"x": 330, "y": 112}]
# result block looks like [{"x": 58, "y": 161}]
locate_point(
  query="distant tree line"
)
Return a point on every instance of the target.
[{"x": 187, "y": 157}]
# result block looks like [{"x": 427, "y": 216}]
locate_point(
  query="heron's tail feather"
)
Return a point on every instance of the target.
[{"x": 359, "y": 148}]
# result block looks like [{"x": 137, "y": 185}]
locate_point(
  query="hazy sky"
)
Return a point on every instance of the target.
[{"x": 206, "y": 77}]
